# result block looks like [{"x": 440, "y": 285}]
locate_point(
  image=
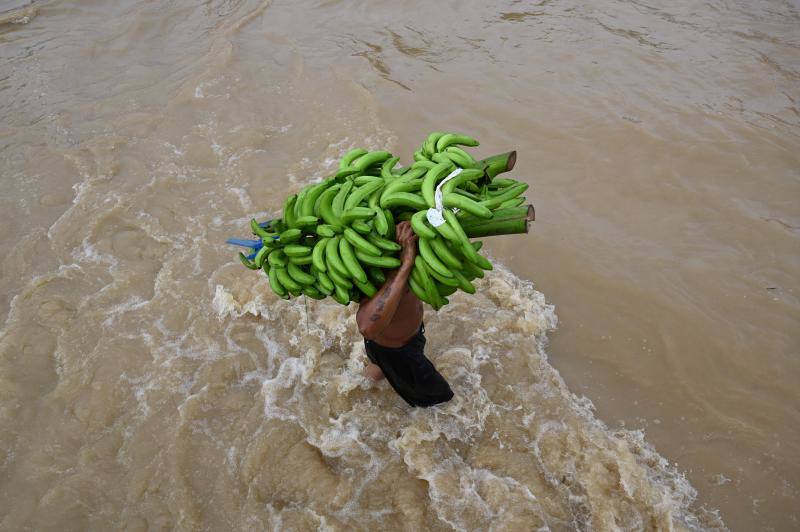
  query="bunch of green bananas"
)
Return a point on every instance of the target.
[{"x": 336, "y": 237}]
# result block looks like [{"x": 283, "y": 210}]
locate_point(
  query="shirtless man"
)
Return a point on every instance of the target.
[{"x": 394, "y": 336}]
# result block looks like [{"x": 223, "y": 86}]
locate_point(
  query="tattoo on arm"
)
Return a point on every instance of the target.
[{"x": 380, "y": 303}]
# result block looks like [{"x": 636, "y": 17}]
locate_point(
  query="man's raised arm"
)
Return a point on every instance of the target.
[{"x": 375, "y": 313}]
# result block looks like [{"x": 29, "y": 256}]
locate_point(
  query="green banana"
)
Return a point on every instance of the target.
[
  {"x": 425, "y": 280},
  {"x": 338, "y": 201},
  {"x": 419, "y": 291},
  {"x": 303, "y": 260},
  {"x": 341, "y": 295},
  {"x": 296, "y": 250},
  {"x": 413, "y": 173},
  {"x": 388, "y": 165},
  {"x": 361, "y": 243},
  {"x": 430, "y": 258},
  {"x": 333, "y": 258},
  {"x": 420, "y": 226},
  {"x": 392, "y": 234},
  {"x": 447, "y": 231},
  {"x": 442, "y": 158},
  {"x": 500, "y": 183},
  {"x": 472, "y": 270},
  {"x": 415, "y": 274},
  {"x": 298, "y": 202},
  {"x": 344, "y": 173},
  {"x": 380, "y": 221},
  {"x": 338, "y": 279},
  {"x": 350, "y": 262},
  {"x": 362, "y": 193},
  {"x": 324, "y": 282},
  {"x": 403, "y": 185},
  {"x": 310, "y": 201},
  {"x": 318, "y": 255},
  {"x": 303, "y": 222},
  {"x": 261, "y": 256},
  {"x": 429, "y": 146},
  {"x": 467, "y": 194},
  {"x": 467, "y": 249},
  {"x": 247, "y": 262},
  {"x": 357, "y": 213},
  {"x": 275, "y": 284},
  {"x": 376, "y": 274},
  {"x": 442, "y": 250},
  {"x": 463, "y": 283},
  {"x": 460, "y": 157},
  {"x": 312, "y": 292},
  {"x": 277, "y": 258},
  {"x": 513, "y": 202},
  {"x": 419, "y": 155},
  {"x": 431, "y": 178},
  {"x": 373, "y": 157},
  {"x": 365, "y": 179},
  {"x": 452, "y": 138},
  {"x": 441, "y": 279},
  {"x": 351, "y": 156},
  {"x": 290, "y": 235},
  {"x": 361, "y": 226},
  {"x": 325, "y": 230},
  {"x": 509, "y": 193},
  {"x": 423, "y": 165},
  {"x": 326, "y": 207},
  {"x": 367, "y": 287},
  {"x": 445, "y": 290},
  {"x": 258, "y": 230},
  {"x": 472, "y": 187},
  {"x": 296, "y": 273},
  {"x": 388, "y": 263},
  {"x": 467, "y": 175},
  {"x": 403, "y": 199},
  {"x": 288, "y": 210},
  {"x": 383, "y": 243},
  {"x": 465, "y": 204},
  {"x": 483, "y": 263},
  {"x": 286, "y": 280}
]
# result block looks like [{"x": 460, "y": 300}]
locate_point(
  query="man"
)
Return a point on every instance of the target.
[{"x": 391, "y": 324}]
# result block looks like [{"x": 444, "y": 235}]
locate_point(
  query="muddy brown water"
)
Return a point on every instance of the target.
[{"x": 149, "y": 382}]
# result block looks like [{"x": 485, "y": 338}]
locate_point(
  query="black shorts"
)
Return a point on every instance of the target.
[{"x": 410, "y": 373}]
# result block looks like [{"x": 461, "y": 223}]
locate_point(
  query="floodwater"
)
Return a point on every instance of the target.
[{"x": 149, "y": 382}]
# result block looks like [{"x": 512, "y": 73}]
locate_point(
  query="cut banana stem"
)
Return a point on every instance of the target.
[
  {"x": 497, "y": 164},
  {"x": 494, "y": 228},
  {"x": 499, "y": 215}
]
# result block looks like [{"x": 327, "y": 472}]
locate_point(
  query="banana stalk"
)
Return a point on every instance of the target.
[
  {"x": 497, "y": 164},
  {"x": 500, "y": 215},
  {"x": 496, "y": 228}
]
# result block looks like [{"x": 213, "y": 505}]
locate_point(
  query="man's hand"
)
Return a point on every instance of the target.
[{"x": 406, "y": 238}]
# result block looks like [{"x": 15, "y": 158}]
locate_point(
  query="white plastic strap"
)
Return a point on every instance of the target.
[{"x": 434, "y": 214}]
